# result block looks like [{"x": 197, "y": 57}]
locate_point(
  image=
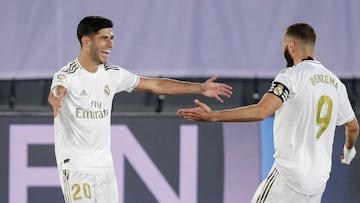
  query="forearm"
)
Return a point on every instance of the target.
[
  {"x": 174, "y": 87},
  {"x": 266, "y": 107},
  {"x": 242, "y": 114},
  {"x": 56, "y": 97},
  {"x": 256, "y": 112},
  {"x": 351, "y": 133}
]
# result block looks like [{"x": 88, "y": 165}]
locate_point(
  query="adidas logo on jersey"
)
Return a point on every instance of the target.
[{"x": 83, "y": 93}]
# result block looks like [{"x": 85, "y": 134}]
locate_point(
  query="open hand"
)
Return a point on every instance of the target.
[
  {"x": 215, "y": 90},
  {"x": 200, "y": 113}
]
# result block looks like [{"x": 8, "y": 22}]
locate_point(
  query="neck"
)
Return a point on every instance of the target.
[
  {"x": 304, "y": 56},
  {"x": 87, "y": 63}
]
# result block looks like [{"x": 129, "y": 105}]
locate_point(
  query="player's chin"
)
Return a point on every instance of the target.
[{"x": 102, "y": 61}]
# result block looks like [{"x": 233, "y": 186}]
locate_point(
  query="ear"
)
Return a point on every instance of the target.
[
  {"x": 85, "y": 41},
  {"x": 292, "y": 46}
]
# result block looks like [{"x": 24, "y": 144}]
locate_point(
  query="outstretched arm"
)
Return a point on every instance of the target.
[
  {"x": 266, "y": 107},
  {"x": 56, "y": 98},
  {"x": 175, "y": 87}
]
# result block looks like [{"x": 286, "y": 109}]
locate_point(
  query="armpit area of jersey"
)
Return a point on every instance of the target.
[{"x": 279, "y": 90}]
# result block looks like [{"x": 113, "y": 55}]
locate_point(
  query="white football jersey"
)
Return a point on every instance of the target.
[
  {"x": 82, "y": 129},
  {"x": 315, "y": 101}
]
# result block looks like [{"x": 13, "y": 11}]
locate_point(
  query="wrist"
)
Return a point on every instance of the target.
[
  {"x": 58, "y": 91},
  {"x": 213, "y": 116},
  {"x": 349, "y": 146}
]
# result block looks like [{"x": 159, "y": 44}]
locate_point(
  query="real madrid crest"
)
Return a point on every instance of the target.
[
  {"x": 107, "y": 90},
  {"x": 279, "y": 89}
]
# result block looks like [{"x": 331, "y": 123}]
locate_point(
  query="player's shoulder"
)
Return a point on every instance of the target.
[
  {"x": 301, "y": 68},
  {"x": 70, "y": 68},
  {"x": 112, "y": 69},
  {"x": 286, "y": 72}
]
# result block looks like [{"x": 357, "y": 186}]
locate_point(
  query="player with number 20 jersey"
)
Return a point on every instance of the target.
[{"x": 82, "y": 129}]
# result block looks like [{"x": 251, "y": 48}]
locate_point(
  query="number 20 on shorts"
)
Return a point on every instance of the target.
[{"x": 81, "y": 191}]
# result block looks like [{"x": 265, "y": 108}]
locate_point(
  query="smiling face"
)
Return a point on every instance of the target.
[{"x": 100, "y": 45}]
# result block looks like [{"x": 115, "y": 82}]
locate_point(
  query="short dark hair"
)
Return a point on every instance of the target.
[
  {"x": 91, "y": 25},
  {"x": 303, "y": 32}
]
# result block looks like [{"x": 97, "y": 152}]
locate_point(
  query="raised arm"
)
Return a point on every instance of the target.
[{"x": 175, "y": 87}]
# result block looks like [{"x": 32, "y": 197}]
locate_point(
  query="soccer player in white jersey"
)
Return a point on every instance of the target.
[
  {"x": 81, "y": 97},
  {"x": 309, "y": 102}
]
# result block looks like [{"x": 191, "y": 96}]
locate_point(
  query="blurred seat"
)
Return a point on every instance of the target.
[
  {"x": 26, "y": 95},
  {"x": 134, "y": 102},
  {"x": 31, "y": 95},
  {"x": 4, "y": 94}
]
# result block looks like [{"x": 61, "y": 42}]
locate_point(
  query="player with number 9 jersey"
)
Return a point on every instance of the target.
[
  {"x": 304, "y": 125},
  {"x": 309, "y": 102}
]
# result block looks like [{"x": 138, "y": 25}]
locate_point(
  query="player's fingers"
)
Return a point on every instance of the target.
[
  {"x": 188, "y": 112},
  {"x": 212, "y": 79},
  {"x": 218, "y": 98},
  {"x": 192, "y": 118},
  {"x": 187, "y": 115},
  {"x": 221, "y": 93},
  {"x": 184, "y": 112},
  {"x": 226, "y": 90},
  {"x": 55, "y": 111},
  {"x": 180, "y": 112},
  {"x": 204, "y": 106}
]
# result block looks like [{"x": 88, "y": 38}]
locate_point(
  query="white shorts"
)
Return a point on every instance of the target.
[
  {"x": 79, "y": 187},
  {"x": 275, "y": 190}
]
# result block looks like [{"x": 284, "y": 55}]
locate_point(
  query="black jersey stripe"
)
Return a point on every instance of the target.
[
  {"x": 73, "y": 67},
  {"x": 66, "y": 185},
  {"x": 267, "y": 186},
  {"x": 111, "y": 67}
]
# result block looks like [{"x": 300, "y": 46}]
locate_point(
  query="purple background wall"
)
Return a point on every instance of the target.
[{"x": 178, "y": 38}]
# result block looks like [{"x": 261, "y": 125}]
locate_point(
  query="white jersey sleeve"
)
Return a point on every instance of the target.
[
  {"x": 126, "y": 80},
  {"x": 346, "y": 112},
  {"x": 61, "y": 78},
  {"x": 282, "y": 86}
]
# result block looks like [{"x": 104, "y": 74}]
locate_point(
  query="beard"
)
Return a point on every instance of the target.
[
  {"x": 288, "y": 58},
  {"x": 94, "y": 54},
  {"x": 96, "y": 57}
]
